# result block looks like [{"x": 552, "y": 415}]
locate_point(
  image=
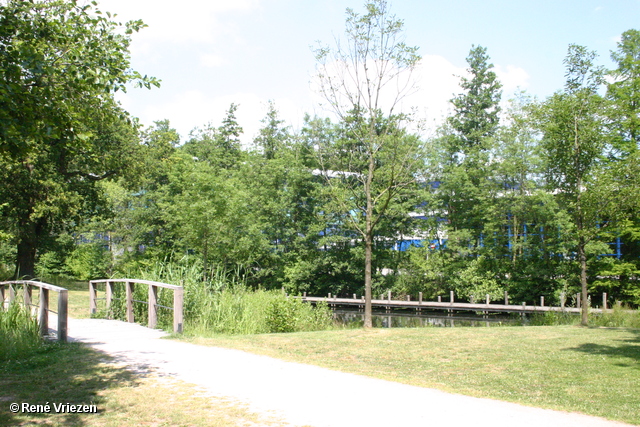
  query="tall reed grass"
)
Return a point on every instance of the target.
[
  {"x": 19, "y": 333},
  {"x": 220, "y": 302}
]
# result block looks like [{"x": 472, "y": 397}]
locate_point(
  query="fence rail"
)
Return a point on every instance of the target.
[
  {"x": 43, "y": 312},
  {"x": 386, "y": 302},
  {"x": 152, "y": 321}
]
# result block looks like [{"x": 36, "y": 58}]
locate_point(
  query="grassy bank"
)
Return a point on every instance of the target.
[
  {"x": 595, "y": 371},
  {"x": 75, "y": 374}
]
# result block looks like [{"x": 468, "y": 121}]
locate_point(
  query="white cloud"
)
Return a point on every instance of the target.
[
  {"x": 171, "y": 21},
  {"x": 195, "y": 109},
  {"x": 512, "y": 78},
  {"x": 210, "y": 60}
]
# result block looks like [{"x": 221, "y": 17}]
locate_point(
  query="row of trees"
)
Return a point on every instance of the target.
[{"x": 525, "y": 199}]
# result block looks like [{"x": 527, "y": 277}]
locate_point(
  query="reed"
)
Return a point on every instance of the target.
[
  {"x": 19, "y": 333},
  {"x": 219, "y": 301}
]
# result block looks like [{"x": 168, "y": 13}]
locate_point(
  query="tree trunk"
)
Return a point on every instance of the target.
[
  {"x": 368, "y": 243},
  {"x": 582, "y": 256},
  {"x": 26, "y": 256},
  {"x": 368, "y": 251}
]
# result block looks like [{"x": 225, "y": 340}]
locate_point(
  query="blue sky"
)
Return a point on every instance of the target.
[{"x": 210, "y": 53}]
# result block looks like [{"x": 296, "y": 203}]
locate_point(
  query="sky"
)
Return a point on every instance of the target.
[{"x": 211, "y": 53}]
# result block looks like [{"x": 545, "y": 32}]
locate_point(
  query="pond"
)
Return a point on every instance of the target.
[{"x": 412, "y": 319}]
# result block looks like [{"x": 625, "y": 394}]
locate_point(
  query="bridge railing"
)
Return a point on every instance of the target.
[
  {"x": 152, "y": 302},
  {"x": 43, "y": 303}
]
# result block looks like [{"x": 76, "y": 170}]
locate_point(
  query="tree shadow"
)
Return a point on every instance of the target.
[
  {"x": 627, "y": 349},
  {"x": 61, "y": 373}
]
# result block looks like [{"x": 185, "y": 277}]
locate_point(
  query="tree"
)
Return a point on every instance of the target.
[
  {"x": 375, "y": 161},
  {"x": 624, "y": 92},
  {"x": 466, "y": 173},
  {"x": 476, "y": 110},
  {"x": 60, "y": 129},
  {"x": 596, "y": 190},
  {"x": 219, "y": 146},
  {"x": 468, "y": 141}
]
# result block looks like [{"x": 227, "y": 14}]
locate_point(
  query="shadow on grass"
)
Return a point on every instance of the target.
[
  {"x": 61, "y": 373},
  {"x": 628, "y": 349}
]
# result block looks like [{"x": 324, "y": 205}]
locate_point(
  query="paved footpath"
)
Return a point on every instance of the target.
[{"x": 308, "y": 395}]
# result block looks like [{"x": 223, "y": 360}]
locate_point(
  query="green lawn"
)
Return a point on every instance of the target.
[{"x": 595, "y": 371}]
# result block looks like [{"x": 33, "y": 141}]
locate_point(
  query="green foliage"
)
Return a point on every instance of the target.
[
  {"x": 89, "y": 261},
  {"x": 293, "y": 315},
  {"x": 619, "y": 317},
  {"x": 62, "y": 130},
  {"x": 238, "y": 310},
  {"x": 19, "y": 333},
  {"x": 476, "y": 110}
]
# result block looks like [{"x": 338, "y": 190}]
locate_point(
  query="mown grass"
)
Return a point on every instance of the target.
[
  {"x": 594, "y": 371},
  {"x": 73, "y": 373}
]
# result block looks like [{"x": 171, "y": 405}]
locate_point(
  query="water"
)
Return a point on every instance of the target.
[{"x": 413, "y": 319}]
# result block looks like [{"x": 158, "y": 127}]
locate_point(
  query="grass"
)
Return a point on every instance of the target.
[
  {"x": 594, "y": 371},
  {"x": 19, "y": 333},
  {"x": 73, "y": 373}
]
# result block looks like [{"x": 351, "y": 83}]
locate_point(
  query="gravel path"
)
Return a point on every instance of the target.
[{"x": 304, "y": 394}]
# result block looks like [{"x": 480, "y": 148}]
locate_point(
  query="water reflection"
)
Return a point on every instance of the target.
[{"x": 399, "y": 319}]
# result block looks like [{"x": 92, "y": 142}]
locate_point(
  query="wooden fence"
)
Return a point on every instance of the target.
[
  {"x": 386, "y": 302},
  {"x": 178, "y": 299},
  {"x": 43, "y": 305}
]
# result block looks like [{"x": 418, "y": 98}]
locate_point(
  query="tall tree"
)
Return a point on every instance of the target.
[
  {"x": 476, "y": 110},
  {"x": 60, "y": 129},
  {"x": 364, "y": 82},
  {"x": 466, "y": 172},
  {"x": 624, "y": 92},
  {"x": 595, "y": 189}
]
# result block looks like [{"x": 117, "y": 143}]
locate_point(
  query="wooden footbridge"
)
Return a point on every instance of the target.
[
  {"x": 385, "y": 302},
  {"x": 10, "y": 290}
]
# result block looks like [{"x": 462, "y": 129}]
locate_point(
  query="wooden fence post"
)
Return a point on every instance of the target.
[
  {"x": 63, "y": 310},
  {"x": 109, "y": 297},
  {"x": 578, "y": 302},
  {"x": 451, "y": 297},
  {"x": 542, "y": 301},
  {"x": 488, "y": 299},
  {"x": 563, "y": 300},
  {"x": 153, "y": 309},
  {"x": 178, "y": 300},
  {"x": 419, "y": 297},
  {"x": 506, "y": 298},
  {"x": 389, "y": 296},
  {"x": 604, "y": 300},
  {"x": 129, "y": 296},
  {"x": 93, "y": 296},
  {"x": 43, "y": 316},
  {"x": 12, "y": 293},
  {"x": 1, "y": 297},
  {"x": 27, "y": 297}
]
